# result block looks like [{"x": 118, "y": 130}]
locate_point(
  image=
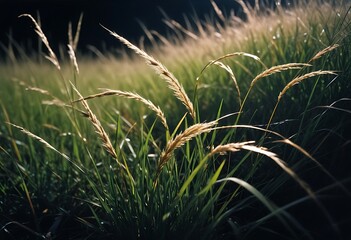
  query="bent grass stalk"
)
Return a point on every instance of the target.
[
  {"x": 323, "y": 52},
  {"x": 130, "y": 95},
  {"x": 294, "y": 82},
  {"x": 232, "y": 76},
  {"x": 228, "y": 69},
  {"x": 268, "y": 72},
  {"x": 52, "y": 56},
  {"x": 160, "y": 69},
  {"x": 106, "y": 142}
]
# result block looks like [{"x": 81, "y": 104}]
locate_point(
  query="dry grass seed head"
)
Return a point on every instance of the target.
[
  {"x": 323, "y": 52},
  {"x": 130, "y": 95},
  {"x": 232, "y": 55},
  {"x": 279, "y": 68},
  {"x": 172, "y": 81},
  {"x": 52, "y": 56},
  {"x": 299, "y": 79},
  {"x": 46, "y": 144},
  {"x": 230, "y": 147},
  {"x": 74, "y": 41},
  {"x": 72, "y": 57},
  {"x": 106, "y": 143},
  {"x": 182, "y": 138}
]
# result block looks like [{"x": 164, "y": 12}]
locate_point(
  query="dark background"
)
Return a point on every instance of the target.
[{"x": 117, "y": 15}]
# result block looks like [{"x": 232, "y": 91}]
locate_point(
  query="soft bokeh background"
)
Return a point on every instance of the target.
[{"x": 120, "y": 16}]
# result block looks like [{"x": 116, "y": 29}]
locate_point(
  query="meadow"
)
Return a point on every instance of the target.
[{"x": 231, "y": 127}]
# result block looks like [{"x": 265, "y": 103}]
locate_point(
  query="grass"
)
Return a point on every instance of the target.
[{"x": 245, "y": 146}]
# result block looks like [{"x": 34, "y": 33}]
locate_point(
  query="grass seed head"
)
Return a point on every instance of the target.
[
  {"x": 299, "y": 79},
  {"x": 172, "y": 81},
  {"x": 106, "y": 142},
  {"x": 52, "y": 56},
  {"x": 130, "y": 95},
  {"x": 278, "y": 68},
  {"x": 182, "y": 138}
]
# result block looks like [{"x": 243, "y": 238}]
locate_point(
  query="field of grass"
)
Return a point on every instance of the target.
[{"x": 224, "y": 129}]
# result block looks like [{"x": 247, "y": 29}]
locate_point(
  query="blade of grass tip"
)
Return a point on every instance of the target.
[
  {"x": 213, "y": 179},
  {"x": 160, "y": 69},
  {"x": 76, "y": 36},
  {"x": 130, "y": 95},
  {"x": 274, "y": 210},
  {"x": 233, "y": 147},
  {"x": 52, "y": 56},
  {"x": 252, "y": 190}
]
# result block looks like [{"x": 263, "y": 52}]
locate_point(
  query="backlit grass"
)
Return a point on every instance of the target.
[{"x": 226, "y": 129}]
